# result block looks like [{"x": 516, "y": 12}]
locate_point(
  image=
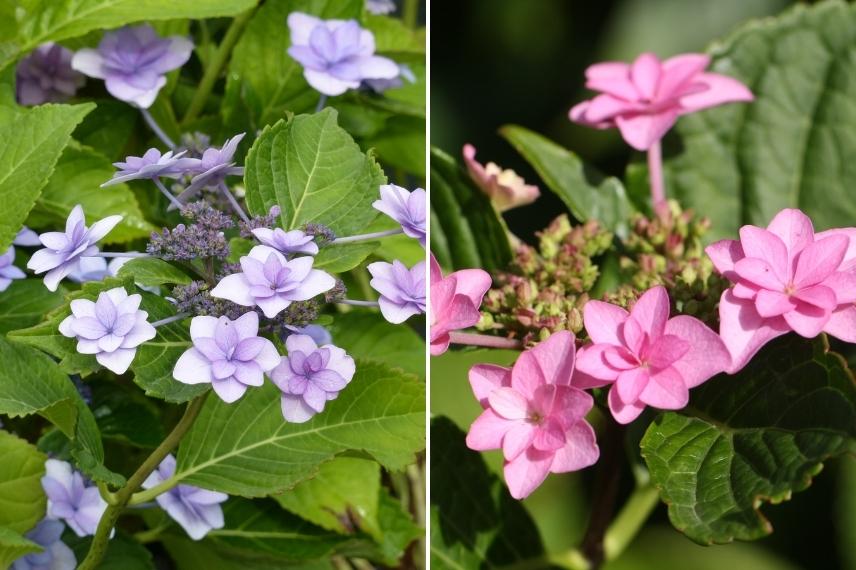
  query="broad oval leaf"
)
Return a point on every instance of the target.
[
  {"x": 26, "y": 302},
  {"x": 344, "y": 257},
  {"x": 22, "y": 500}
]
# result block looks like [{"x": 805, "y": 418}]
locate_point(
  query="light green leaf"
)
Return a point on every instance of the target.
[
  {"x": 22, "y": 500},
  {"x": 753, "y": 437},
  {"x": 344, "y": 257},
  {"x": 401, "y": 144},
  {"x": 397, "y": 530},
  {"x": 151, "y": 271},
  {"x": 25, "y": 302},
  {"x": 314, "y": 171},
  {"x": 247, "y": 449},
  {"x": 33, "y": 140},
  {"x": 566, "y": 176},
  {"x": 14, "y": 546}
]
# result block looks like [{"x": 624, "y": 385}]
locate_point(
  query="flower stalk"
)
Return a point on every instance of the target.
[
  {"x": 169, "y": 195},
  {"x": 487, "y": 341},
  {"x": 368, "y": 237},
  {"x": 156, "y": 129}
]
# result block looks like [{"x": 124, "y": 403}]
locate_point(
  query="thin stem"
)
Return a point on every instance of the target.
[
  {"x": 150, "y": 535},
  {"x": 367, "y": 237},
  {"x": 104, "y": 491},
  {"x": 171, "y": 319},
  {"x": 169, "y": 195},
  {"x": 410, "y": 13},
  {"x": 215, "y": 67},
  {"x": 475, "y": 339},
  {"x": 630, "y": 519},
  {"x": 121, "y": 254},
  {"x": 417, "y": 486},
  {"x": 159, "y": 132},
  {"x": 655, "y": 173},
  {"x": 321, "y": 102},
  {"x": 233, "y": 202},
  {"x": 605, "y": 495},
  {"x": 357, "y": 303},
  {"x": 123, "y": 496}
]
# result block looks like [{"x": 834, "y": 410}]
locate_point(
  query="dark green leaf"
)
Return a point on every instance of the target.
[
  {"x": 25, "y": 302},
  {"x": 123, "y": 553},
  {"x": 109, "y": 128},
  {"x": 125, "y": 415}
]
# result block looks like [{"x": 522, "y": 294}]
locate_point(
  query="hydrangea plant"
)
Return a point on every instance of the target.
[{"x": 193, "y": 208}]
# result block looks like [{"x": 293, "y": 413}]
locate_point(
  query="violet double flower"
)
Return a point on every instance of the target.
[
  {"x": 55, "y": 555},
  {"x": 402, "y": 290},
  {"x": 79, "y": 505},
  {"x": 407, "y": 208},
  {"x": 8, "y": 271},
  {"x": 213, "y": 168},
  {"x": 151, "y": 165},
  {"x": 287, "y": 243},
  {"x": 310, "y": 376},
  {"x": 46, "y": 76}
]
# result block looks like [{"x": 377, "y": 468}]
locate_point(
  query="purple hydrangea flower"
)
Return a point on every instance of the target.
[
  {"x": 46, "y": 76},
  {"x": 336, "y": 55},
  {"x": 8, "y": 271},
  {"x": 316, "y": 332},
  {"x": 133, "y": 62},
  {"x": 63, "y": 250},
  {"x": 227, "y": 354},
  {"x": 70, "y": 499},
  {"x": 151, "y": 165},
  {"x": 55, "y": 554},
  {"x": 271, "y": 282},
  {"x": 287, "y": 243},
  {"x": 310, "y": 376},
  {"x": 197, "y": 510},
  {"x": 26, "y": 238},
  {"x": 381, "y": 85},
  {"x": 407, "y": 208},
  {"x": 213, "y": 168},
  {"x": 380, "y": 7},
  {"x": 402, "y": 290},
  {"x": 111, "y": 328}
]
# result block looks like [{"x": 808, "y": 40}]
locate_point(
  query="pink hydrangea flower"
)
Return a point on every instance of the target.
[
  {"x": 534, "y": 414},
  {"x": 504, "y": 187},
  {"x": 650, "y": 359},
  {"x": 786, "y": 278},
  {"x": 644, "y": 99},
  {"x": 455, "y": 302}
]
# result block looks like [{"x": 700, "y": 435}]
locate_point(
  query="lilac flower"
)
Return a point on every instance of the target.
[
  {"x": 309, "y": 376},
  {"x": 407, "y": 208},
  {"x": 63, "y": 250},
  {"x": 55, "y": 555},
  {"x": 70, "y": 499},
  {"x": 402, "y": 290},
  {"x": 381, "y": 85},
  {"x": 271, "y": 282},
  {"x": 197, "y": 510},
  {"x": 8, "y": 271},
  {"x": 336, "y": 55},
  {"x": 151, "y": 165},
  {"x": 213, "y": 168},
  {"x": 46, "y": 76},
  {"x": 111, "y": 328},
  {"x": 133, "y": 62},
  {"x": 227, "y": 354},
  {"x": 287, "y": 243},
  {"x": 316, "y": 332},
  {"x": 27, "y": 238},
  {"x": 380, "y": 7}
]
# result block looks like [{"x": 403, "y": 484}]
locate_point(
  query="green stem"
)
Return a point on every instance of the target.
[
  {"x": 123, "y": 496},
  {"x": 629, "y": 521},
  {"x": 410, "y": 13},
  {"x": 218, "y": 62},
  {"x": 150, "y": 535}
]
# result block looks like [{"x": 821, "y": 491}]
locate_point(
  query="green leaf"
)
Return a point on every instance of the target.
[
  {"x": 474, "y": 521},
  {"x": 151, "y": 272},
  {"x": 33, "y": 140},
  {"x": 41, "y": 21},
  {"x": 25, "y": 302},
  {"x": 314, "y": 171},
  {"x": 742, "y": 163},
  {"x": 123, "y": 553},
  {"x": 14, "y": 546},
  {"x": 393, "y": 37},
  {"x": 247, "y": 449},
  {"x": 344, "y": 257},
  {"x": 76, "y": 180},
  {"x": 757, "y": 436},
  {"x": 464, "y": 225},
  {"x": 401, "y": 144},
  {"x": 124, "y": 414},
  {"x": 565, "y": 174},
  {"x": 22, "y": 500},
  {"x": 108, "y": 130}
]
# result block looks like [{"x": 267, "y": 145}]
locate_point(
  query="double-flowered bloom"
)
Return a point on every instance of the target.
[
  {"x": 535, "y": 414},
  {"x": 46, "y": 76},
  {"x": 409, "y": 209},
  {"x": 648, "y": 358},
  {"x": 213, "y": 168},
  {"x": 227, "y": 354},
  {"x": 151, "y": 165},
  {"x": 455, "y": 302},
  {"x": 786, "y": 278},
  {"x": 271, "y": 282},
  {"x": 8, "y": 271},
  {"x": 197, "y": 510},
  {"x": 310, "y": 376},
  {"x": 644, "y": 99},
  {"x": 55, "y": 555},
  {"x": 505, "y": 188},
  {"x": 70, "y": 499},
  {"x": 402, "y": 290},
  {"x": 336, "y": 55},
  {"x": 133, "y": 62},
  {"x": 111, "y": 328},
  {"x": 63, "y": 250},
  {"x": 287, "y": 243}
]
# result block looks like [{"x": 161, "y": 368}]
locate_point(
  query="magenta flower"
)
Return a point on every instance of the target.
[
  {"x": 8, "y": 271},
  {"x": 111, "y": 328},
  {"x": 197, "y": 510},
  {"x": 46, "y": 76},
  {"x": 407, "y": 208},
  {"x": 648, "y": 358},
  {"x": 287, "y": 243},
  {"x": 402, "y": 290},
  {"x": 63, "y": 250},
  {"x": 336, "y": 55},
  {"x": 151, "y": 165},
  {"x": 310, "y": 376},
  {"x": 455, "y": 302},
  {"x": 133, "y": 62},
  {"x": 534, "y": 414},
  {"x": 644, "y": 99},
  {"x": 70, "y": 499},
  {"x": 227, "y": 354},
  {"x": 504, "y": 187},
  {"x": 271, "y": 282},
  {"x": 786, "y": 278}
]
